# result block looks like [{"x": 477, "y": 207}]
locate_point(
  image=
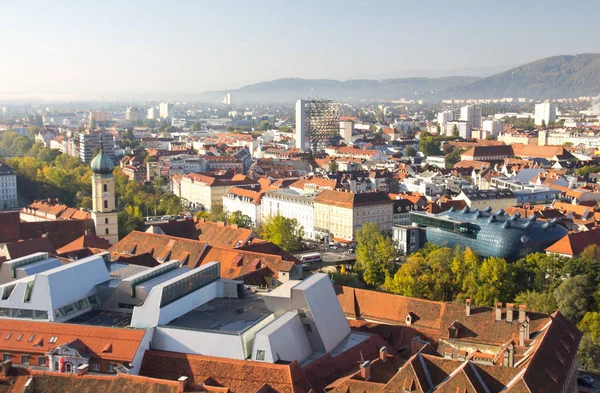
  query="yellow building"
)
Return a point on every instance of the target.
[{"x": 341, "y": 214}]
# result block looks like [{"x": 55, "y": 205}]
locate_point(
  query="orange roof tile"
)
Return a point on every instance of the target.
[{"x": 36, "y": 338}]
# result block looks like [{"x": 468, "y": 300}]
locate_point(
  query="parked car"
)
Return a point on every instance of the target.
[{"x": 585, "y": 380}]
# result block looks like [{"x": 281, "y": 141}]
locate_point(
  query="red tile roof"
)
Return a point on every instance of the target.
[
  {"x": 26, "y": 247},
  {"x": 574, "y": 243},
  {"x": 124, "y": 342},
  {"x": 240, "y": 376},
  {"x": 85, "y": 241},
  {"x": 220, "y": 234},
  {"x": 350, "y": 200}
]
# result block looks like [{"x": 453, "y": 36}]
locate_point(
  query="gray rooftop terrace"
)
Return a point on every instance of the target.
[{"x": 229, "y": 316}]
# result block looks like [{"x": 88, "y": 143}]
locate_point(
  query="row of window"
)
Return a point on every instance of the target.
[
  {"x": 24, "y": 314},
  {"x": 42, "y": 362}
]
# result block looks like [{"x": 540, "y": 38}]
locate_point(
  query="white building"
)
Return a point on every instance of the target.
[
  {"x": 464, "y": 128},
  {"x": 152, "y": 113},
  {"x": 165, "y": 110},
  {"x": 227, "y": 99},
  {"x": 57, "y": 294},
  {"x": 545, "y": 112},
  {"x": 290, "y": 205},
  {"x": 494, "y": 127},
  {"x": 8, "y": 188},
  {"x": 471, "y": 114},
  {"x": 246, "y": 201}
]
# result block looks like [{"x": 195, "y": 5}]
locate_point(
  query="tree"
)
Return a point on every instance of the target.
[
  {"x": 410, "y": 152},
  {"x": 32, "y": 131},
  {"x": 406, "y": 281},
  {"x": 573, "y": 297},
  {"x": 455, "y": 131},
  {"x": 537, "y": 301},
  {"x": 333, "y": 166},
  {"x": 285, "y": 129},
  {"x": 282, "y": 231},
  {"x": 589, "y": 348},
  {"x": 130, "y": 219},
  {"x": 374, "y": 254},
  {"x": 196, "y": 126},
  {"x": 543, "y": 123},
  {"x": 586, "y": 170},
  {"x": 241, "y": 220},
  {"x": 264, "y": 125},
  {"x": 452, "y": 158},
  {"x": 429, "y": 145}
]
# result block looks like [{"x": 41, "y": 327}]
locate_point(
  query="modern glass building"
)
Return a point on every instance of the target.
[{"x": 489, "y": 234}]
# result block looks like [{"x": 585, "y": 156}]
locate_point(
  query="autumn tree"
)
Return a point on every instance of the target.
[
  {"x": 374, "y": 254},
  {"x": 282, "y": 231}
]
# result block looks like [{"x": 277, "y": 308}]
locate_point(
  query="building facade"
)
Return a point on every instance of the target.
[
  {"x": 317, "y": 123},
  {"x": 8, "y": 188},
  {"x": 290, "y": 205},
  {"x": 340, "y": 214},
  {"x": 545, "y": 113}
]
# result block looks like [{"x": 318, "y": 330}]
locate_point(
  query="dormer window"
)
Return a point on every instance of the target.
[{"x": 409, "y": 318}]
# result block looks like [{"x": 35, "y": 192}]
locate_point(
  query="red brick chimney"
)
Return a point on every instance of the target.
[
  {"x": 467, "y": 307},
  {"x": 383, "y": 354},
  {"x": 365, "y": 370}
]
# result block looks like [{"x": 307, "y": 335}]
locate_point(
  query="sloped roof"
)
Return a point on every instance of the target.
[
  {"x": 160, "y": 247},
  {"x": 240, "y": 376},
  {"x": 574, "y": 243},
  {"x": 60, "y": 233},
  {"x": 125, "y": 342},
  {"x": 52, "y": 382},
  {"x": 9, "y": 227},
  {"x": 218, "y": 233},
  {"x": 350, "y": 200},
  {"x": 26, "y": 247},
  {"x": 489, "y": 151},
  {"x": 85, "y": 241}
]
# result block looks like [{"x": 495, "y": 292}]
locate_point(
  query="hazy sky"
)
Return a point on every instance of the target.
[{"x": 192, "y": 46}]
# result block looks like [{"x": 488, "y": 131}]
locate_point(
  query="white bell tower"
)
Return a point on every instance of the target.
[{"x": 104, "y": 210}]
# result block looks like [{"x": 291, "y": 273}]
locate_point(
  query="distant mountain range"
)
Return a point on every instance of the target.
[{"x": 552, "y": 77}]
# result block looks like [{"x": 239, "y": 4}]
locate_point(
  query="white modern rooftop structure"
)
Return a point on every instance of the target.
[{"x": 182, "y": 310}]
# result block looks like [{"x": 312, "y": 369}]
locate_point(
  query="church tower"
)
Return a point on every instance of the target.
[{"x": 104, "y": 211}]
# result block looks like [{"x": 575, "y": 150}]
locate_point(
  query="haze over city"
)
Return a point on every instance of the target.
[
  {"x": 319, "y": 196},
  {"x": 118, "y": 48}
]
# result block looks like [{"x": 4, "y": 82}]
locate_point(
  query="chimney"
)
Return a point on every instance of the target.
[
  {"x": 234, "y": 226},
  {"x": 365, "y": 370},
  {"x": 499, "y": 311},
  {"x": 182, "y": 382},
  {"x": 522, "y": 313},
  {"x": 383, "y": 354},
  {"x": 522, "y": 335},
  {"x": 527, "y": 326},
  {"x": 220, "y": 224},
  {"x": 509, "y": 312},
  {"x": 467, "y": 307}
]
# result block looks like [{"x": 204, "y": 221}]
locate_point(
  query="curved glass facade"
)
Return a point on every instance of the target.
[{"x": 489, "y": 234}]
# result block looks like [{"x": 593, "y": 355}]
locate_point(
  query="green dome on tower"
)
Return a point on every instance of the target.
[{"x": 102, "y": 164}]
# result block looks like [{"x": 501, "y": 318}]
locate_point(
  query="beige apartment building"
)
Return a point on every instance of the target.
[
  {"x": 482, "y": 199},
  {"x": 341, "y": 214},
  {"x": 200, "y": 190}
]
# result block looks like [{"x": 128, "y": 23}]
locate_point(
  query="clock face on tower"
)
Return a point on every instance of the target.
[{"x": 105, "y": 195}]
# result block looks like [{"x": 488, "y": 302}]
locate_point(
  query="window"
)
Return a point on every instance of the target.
[
  {"x": 106, "y": 220},
  {"x": 8, "y": 336},
  {"x": 31, "y": 337},
  {"x": 307, "y": 327},
  {"x": 109, "y": 367},
  {"x": 106, "y": 231},
  {"x": 24, "y": 359},
  {"x": 95, "y": 366},
  {"x": 6, "y": 357},
  {"x": 41, "y": 361},
  {"x": 106, "y": 204},
  {"x": 20, "y": 337},
  {"x": 56, "y": 366},
  {"x": 105, "y": 188},
  {"x": 260, "y": 355}
]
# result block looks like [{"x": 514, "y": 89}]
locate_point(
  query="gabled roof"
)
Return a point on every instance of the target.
[
  {"x": 59, "y": 383},
  {"x": 218, "y": 233},
  {"x": 26, "y": 247},
  {"x": 574, "y": 243},
  {"x": 36, "y": 338},
  {"x": 351, "y": 200},
  {"x": 240, "y": 376},
  {"x": 85, "y": 241}
]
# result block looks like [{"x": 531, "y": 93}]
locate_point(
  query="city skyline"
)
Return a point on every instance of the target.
[{"x": 192, "y": 47}]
